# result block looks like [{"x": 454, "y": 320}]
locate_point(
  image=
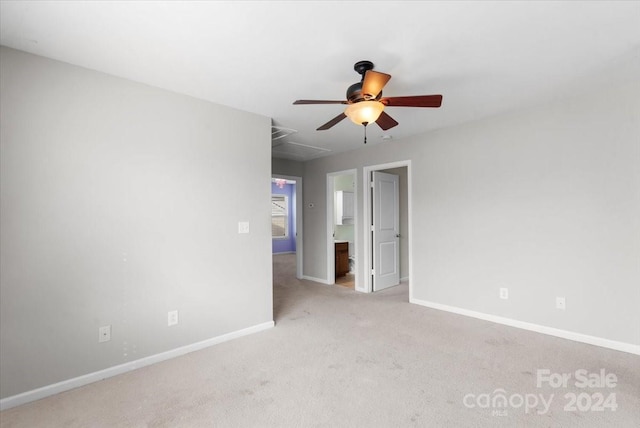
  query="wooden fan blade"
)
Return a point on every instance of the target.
[
  {"x": 318, "y": 102},
  {"x": 385, "y": 121},
  {"x": 374, "y": 82},
  {"x": 332, "y": 122},
  {"x": 414, "y": 101}
]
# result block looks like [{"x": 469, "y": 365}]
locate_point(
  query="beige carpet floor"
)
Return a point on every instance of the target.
[{"x": 338, "y": 358}]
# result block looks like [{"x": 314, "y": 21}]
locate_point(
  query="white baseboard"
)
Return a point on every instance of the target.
[
  {"x": 46, "y": 391},
  {"x": 311, "y": 278},
  {"x": 565, "y": 334}
]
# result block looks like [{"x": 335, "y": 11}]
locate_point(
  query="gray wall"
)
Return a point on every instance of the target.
[
  {"x": 120, "y": 202},
  {"x": 545, "y": 202},
  {"x": 287, "y": 167}
]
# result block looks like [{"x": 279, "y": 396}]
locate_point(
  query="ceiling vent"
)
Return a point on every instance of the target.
[
  {"x": 297, "y": 151},
  {"x": 278, "y": 132}
]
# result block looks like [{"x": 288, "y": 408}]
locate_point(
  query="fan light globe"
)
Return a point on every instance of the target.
[{"x": 364, "y": 111}]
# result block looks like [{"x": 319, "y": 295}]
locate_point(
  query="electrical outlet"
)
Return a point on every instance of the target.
[
  {"x": 104, "y": 333},
  {"x": 172, "y": 318},
  {"x": 243, "y": 227},
  {"x": 560, "y": 303},
  {"x": 504, "y": 293}
]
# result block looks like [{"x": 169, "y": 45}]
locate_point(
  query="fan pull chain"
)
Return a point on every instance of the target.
[{"x": 365, "y": 131}]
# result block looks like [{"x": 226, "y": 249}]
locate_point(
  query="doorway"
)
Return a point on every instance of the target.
[
  {"x": 286, "y": 200},
  {"x": 403, "y": 170},
  {"x": 342, "y": 228}
]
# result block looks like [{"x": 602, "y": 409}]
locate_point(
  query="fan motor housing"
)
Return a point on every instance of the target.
[{"x": 354, "y": 94}]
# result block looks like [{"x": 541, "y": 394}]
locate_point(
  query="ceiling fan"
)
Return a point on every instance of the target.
[{"x": 365, "y": 103}]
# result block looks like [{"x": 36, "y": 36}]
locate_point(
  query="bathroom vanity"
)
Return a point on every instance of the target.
[{"x": 342, "y": 258}]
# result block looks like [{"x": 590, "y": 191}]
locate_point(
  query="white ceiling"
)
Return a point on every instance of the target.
[{"x": 483, "y": 57}]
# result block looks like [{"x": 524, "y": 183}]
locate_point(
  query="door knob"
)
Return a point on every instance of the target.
[{"x": 397, "y": 235}]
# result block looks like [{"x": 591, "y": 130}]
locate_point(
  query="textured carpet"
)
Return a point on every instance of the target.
[{"x": 338, "y": 358}]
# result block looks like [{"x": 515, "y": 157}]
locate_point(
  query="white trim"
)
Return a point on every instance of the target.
[
  {"x": 565, "y": 334},
  {"x": 367, "y": 285},
  {"x": 65, "y": 385},
  {"x": 284, "y": 252},
  {"x": 299, "y": 219},
  {"x": 314, "y": 279},
  {"x": 331, "y": 262}
]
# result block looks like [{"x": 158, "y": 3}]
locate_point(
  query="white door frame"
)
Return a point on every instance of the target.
[
  {"x": 331, "y": 254},
  {"x": 299, "y": 258},
  {"x": 368, "y": 284}
]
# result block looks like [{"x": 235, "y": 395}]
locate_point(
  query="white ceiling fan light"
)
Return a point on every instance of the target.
[
  {"x": 365, "y": 103},
  {"x": 364, "y": 112}
]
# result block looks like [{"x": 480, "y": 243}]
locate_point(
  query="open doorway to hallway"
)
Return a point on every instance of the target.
[{"x": 286, "y": 218}]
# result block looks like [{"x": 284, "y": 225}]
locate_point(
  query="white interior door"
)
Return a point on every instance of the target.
[{"x": 386, "y": 227}]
